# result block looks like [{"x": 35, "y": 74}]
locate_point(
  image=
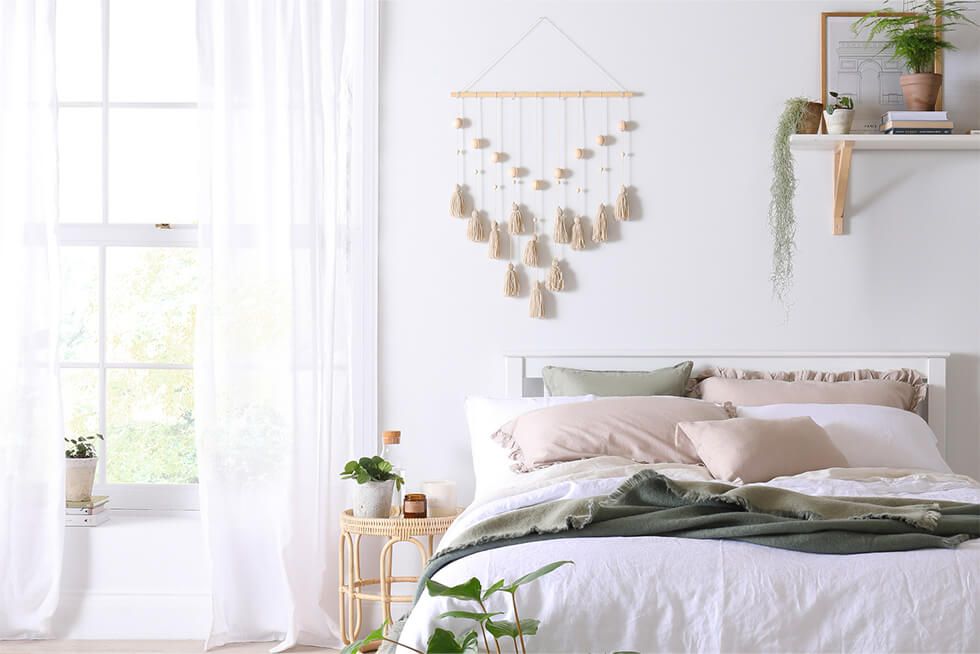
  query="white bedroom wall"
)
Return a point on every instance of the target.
[{"x": 693, "y": 272}]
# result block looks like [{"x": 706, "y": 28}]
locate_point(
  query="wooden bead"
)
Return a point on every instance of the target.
[
  {"x": 580, "y": 153},
  {"x": 538, "y": 184},
  {"x": 476, "y": 143},
  {"x": 559, "y": 173},
  {"x": 624, "y": 125},
  {"x": 515, "y": 171},
  {"x": 497, "y": 157},
  {"x": 458, "y": 123},
  {"x": 600, "y": 140}
]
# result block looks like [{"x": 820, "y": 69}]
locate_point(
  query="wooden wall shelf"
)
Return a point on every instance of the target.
[{"x": 843, "y": 145}]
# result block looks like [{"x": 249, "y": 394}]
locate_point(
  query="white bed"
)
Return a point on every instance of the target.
[{"x": 659, "y": 594}]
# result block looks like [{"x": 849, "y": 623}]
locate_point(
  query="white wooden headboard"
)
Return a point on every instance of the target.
[{"x": 523, "y": 371}]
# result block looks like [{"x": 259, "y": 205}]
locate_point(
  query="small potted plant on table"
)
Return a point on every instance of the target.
[
  {"x": 80, "y": 464},
  {"x": 375, "y": 484},
  {"x": 917, "y": 35},
  {"x": 840, "y": 115}
]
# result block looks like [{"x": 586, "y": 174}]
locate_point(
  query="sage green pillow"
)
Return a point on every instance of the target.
[{"x": 617, "y": 383}]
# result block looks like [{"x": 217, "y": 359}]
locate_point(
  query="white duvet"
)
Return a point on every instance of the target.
[{"x": 659, "y": 594}]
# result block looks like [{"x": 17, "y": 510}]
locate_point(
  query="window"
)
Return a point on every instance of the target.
[{"x": 127, "y": 85}]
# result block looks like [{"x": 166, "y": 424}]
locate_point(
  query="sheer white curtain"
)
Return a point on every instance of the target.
[
  {"x": 31, "y": 454},
  {"x": 272, "y": 371}
]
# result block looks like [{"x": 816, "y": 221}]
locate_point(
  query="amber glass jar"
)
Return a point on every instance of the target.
[{"x": 415, "y": 506}]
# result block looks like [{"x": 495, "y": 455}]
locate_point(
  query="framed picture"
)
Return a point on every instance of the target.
[{"x": 865, "y": 71}]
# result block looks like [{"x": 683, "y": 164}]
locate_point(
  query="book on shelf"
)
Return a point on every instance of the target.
[
  {"x": 919, "y": 130},
  {"x": 93, "y": 520},
  {"x": 97, "y": 502},
  {"x": 917, "y": 124},
  {"x": 914, "y": 115}
]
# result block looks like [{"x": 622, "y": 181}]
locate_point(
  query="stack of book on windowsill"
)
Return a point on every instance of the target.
[
  {"x": 916, "y": 122},
  {"x": 87, "y": 514}
]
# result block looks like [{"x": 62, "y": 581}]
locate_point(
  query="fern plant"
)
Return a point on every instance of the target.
[
  {"x": 782, "y": 219},
  {"x": 916, "y": 34}
]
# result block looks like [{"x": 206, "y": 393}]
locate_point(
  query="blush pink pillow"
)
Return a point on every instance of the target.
[{"x": 747, "y": 450}]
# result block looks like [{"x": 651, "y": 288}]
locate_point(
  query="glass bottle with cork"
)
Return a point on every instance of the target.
[{"x": 392, "y": 452}]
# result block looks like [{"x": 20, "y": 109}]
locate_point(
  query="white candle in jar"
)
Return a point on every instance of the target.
[{"x": 441, "y": 496}]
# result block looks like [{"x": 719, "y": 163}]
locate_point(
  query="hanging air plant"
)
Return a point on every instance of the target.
[{"x": 782, "y": 219}]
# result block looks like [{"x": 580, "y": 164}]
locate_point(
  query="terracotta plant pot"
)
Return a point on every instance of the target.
[
  {"x": 839, "y": 122},
  {"x": 810, "y": 123},
  {"x": 79, "y": 477},
  {"x": 921, "y": 90}
]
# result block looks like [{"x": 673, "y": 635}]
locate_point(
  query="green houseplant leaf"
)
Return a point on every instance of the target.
[
  {"x": 470, "y": 615},
  {"x": 444, "y": 642},
  {"x": 497, "y": 585},
  {"x": 532, "y": 576},
  {"x": 501, "y": 628},
  {"x": 355, "y": 646},
  {"x": 469, "y": 590},
  {"x": 371, "y": 468}
]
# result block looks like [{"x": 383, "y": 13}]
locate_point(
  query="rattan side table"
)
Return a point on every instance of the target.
[{"x": 352, "y": 584}]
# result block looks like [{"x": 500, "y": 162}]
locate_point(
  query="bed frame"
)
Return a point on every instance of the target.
[{"x": 523, "y": 371}]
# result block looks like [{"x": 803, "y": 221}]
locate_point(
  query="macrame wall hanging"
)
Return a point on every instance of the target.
[{"x": 502, "y": 187}]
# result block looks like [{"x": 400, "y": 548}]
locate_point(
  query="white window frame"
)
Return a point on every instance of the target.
[
  {"x": 103, "y": 235},
  {"x": 363, "y": 248}
]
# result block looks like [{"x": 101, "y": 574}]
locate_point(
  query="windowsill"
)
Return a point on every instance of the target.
[{"x": 127, "y": 519}]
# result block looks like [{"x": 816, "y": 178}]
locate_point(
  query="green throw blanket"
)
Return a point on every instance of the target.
[{"x": 650, "y": 504}]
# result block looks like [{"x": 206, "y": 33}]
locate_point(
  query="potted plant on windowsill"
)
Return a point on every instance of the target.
[
  {"x": 375, "y": 484},
  {"x": 80, "y": 464},
  {"x": 917, "y": 35},
  {"x": 840, "y": 115}
]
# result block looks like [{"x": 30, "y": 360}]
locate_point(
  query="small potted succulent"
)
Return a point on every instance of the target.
[
  {"x": 375, "y": 485},
  {"x": 80, "y": 464},
  {"x": 839, "y": 115}
]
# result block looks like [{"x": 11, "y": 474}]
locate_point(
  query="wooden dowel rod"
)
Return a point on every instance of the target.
[{"x": 542, "y": 94}]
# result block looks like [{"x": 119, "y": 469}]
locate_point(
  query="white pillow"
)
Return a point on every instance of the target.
[
  {"x": 868, "y": 436},
  {"x": 485, "y": 415}
]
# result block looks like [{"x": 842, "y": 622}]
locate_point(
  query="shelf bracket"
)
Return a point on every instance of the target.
[{"x": 842, "y": 174}]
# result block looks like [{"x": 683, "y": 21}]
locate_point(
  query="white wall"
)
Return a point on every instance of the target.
[{"x": 693, "y": 272}]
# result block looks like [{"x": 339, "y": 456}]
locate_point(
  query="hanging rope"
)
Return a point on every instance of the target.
[{"x": 527, "y": 33}]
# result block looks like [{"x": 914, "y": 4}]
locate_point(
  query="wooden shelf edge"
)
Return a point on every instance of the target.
[{"x": 886, "y": 141}]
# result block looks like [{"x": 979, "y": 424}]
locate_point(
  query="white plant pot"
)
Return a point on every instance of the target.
[
  {"x": 373, "y": 499},
  {"x": 840, "y": 121},
  {"x": 79, "y": 477}
]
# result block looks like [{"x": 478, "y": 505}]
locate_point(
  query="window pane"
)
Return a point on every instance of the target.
[
  {"x": 80, "y": 304},
  {"x": 80, "y": 165},
  {"x": 79, "y": 400},
  {"x": 150, "y": 304},
  {"x": 79, "y": 50},
  {"x": 150, "y": 427},
  {"x": 152, "y": 165},
  {"x": 153, "y": 51}
]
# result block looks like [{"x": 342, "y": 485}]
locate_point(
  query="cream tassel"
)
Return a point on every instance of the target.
[
  {"x": 516, "y": 223},
  {"x": 578, "y": 234},
  {"x": 474, "y": 228},
  {"x": 599, "y": 227},
  {"x": 512, "y": 285},
  {"x": 537, "y": 301},
  {"x": 530, "y": 257},
  {"x": 556, "y": 281},
  {"x": 561, "y": 231},
  {"x": 456, "y": 203},
  {"x": 494, "y": 240},
  {"x": 622, "y": 204}
]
